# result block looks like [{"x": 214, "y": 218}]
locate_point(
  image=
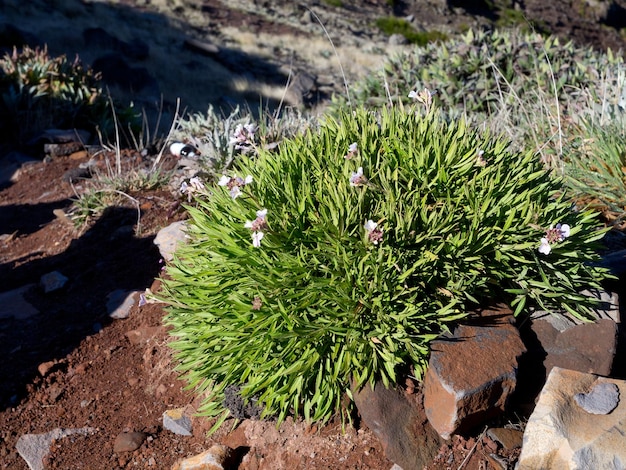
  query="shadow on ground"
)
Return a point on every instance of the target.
[{"x": 108, "y": 257}]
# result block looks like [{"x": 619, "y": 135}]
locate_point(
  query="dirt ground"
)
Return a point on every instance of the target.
[{"x": 70, "y": 365}]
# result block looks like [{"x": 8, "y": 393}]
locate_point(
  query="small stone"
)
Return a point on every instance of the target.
[
  {"x": 141, "y": 334},
  {"x": 168, "y": 239},
  {"x": 601, "y": 400},
  {"x": 119, "y": 303},
  {"x": 52, "y": 281},
  {"x": 507, "y": 438},
  {"x": 13, "y": 304},
  {"x": 216, "y": 458},
  {"x": 128, "y": 441},
  {"x": 45, "y": 367},
  {"x": 177, "y": 422}
]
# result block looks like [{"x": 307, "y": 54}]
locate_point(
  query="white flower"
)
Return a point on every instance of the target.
[
  {"x": 374, "y": 234},
  {"x": 370, "y": 225},
  {"x": 544, "y": 246},
  {"x": 256, "y": 239},
  {"x": 352, "y": 151},
  {"x": 564, "y": 229},
  {"x": 413, "y": 94},
  {"x": 357, "y": 179},
  {"x": 224, "y": 180},
  {"x": 248, "y": 179},
  {"x": 235, "y": 192}
]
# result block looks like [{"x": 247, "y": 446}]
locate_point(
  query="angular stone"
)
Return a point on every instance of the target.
[
  {"x": 216, "y": 458},
  {"x": 400, "y": 424},
  {"x": 34, "y": 447},
  {"x": 588, "y": 347},
  {"x": 119, "y": 303},
  {"x": 177, "y": 422},
  {"x": 52, "y": 281},
  {"x": 13, "y": 304},
  {"x": 562, "y": 435},
  {"x": 507, "y": 438},
  {"x": 458, "y": 397},
  {"x": 168, "y": 239}
]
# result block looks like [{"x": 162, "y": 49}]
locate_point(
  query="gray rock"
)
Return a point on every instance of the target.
[
  {"x": 13, "y": 304},
  {"x": 177, "y": 422},
  {"x": 397, "y": 40},
  {"x": 168, "y": 239},
  {"x": 601, "y": 400},
  {"x": 119, "y": 303},
  {"x": 561, "y": 435},
  {"x": 52, "y": 281},
  {"x": 33, "y": 448}
]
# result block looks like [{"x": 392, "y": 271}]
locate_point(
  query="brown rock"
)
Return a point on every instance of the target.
[
  {"x": 128, "y": 441},
  {"x": 45, "y": 367},
  {"x": 589, "y": 347},
  {"x": 507, "y": 438},
  {"x": 400, "y": 424},
  {"x": 458, "y": 397}
]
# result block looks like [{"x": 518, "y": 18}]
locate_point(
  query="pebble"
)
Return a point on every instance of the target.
[
  {"x": 119, "y": 303},
  {"x": 128, "y": 441},
  {"x": 177, "y": 422},
  {"x": 52, "y": 281}
]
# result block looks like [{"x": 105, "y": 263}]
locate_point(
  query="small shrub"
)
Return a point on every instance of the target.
[
  {"x": 341, "y": 256},
  {"x": 38, "y": 91},
  {"x": 594, "y": 169},
  {"x": 480, "y": 71},
  {"x": 392, "y": 25},
  {"x": 212, "y": 134}
]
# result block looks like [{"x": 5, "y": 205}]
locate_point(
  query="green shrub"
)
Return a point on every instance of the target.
[
  {"x": 351, "y": 248},
  {"x": 595, "y": 168},
  {"x": 479, "y": 71},
  {"x": 392, "y": 25},
  {"x": 39, "y": 92}
]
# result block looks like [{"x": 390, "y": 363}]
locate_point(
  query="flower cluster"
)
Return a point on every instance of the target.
[
  {"x": 257, "y": 226},
  {"x": 553, "y": 235},
  {"x": 191, "y": 187},
  {"x": 243, "y": 138},
  {"x": 234, "y": 184}
]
